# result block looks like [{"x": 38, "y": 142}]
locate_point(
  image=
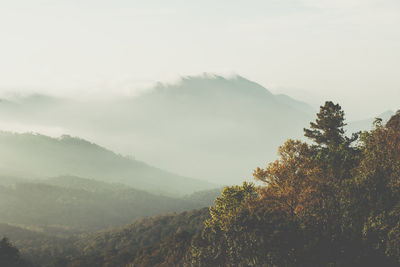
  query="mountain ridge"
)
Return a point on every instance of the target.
[
  {"x": 36, "y": 155},
  {"x": 208, "y": 127}
]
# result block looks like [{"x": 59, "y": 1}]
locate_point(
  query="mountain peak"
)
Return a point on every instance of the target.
[{"x": 211, "y": 84}]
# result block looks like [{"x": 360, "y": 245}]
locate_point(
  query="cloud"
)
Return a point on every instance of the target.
[{"x": 31, "y": 128}]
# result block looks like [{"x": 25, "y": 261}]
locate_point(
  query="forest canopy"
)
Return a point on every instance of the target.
[{"x": 334, "y": 202}]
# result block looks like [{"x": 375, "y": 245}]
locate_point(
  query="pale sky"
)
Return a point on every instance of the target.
[{"x": 344, "y": 50}]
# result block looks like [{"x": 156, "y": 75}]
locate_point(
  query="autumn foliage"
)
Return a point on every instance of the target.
[{"x": 334, "y": 202}]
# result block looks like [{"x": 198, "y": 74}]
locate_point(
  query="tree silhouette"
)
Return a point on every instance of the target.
[
  {"x": 327, "y": 130},
  {"x": 9, "y": 255}
]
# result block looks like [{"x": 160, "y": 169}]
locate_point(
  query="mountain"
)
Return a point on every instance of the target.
[
  {"x": 38, "y": 244},
  {"x": 34, "y": 156},
  {"x": 82, "y": 204},
  {"x": 205, "y": 197},
  {"x": 117, "y": 246},
  {"x": 55, "y": 219},
  {"x": 296, "y": 104},
  {"x": 207, "y": 127},
  {"x": 215, "y": 128}
]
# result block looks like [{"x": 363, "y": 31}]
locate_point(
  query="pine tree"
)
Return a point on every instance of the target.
[{"x": 328, "y": 129}]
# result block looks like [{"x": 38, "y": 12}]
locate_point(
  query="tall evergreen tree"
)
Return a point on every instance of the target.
[{"x": 328, "y": 129}]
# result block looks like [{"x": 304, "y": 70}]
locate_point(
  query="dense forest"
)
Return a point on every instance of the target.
[{"x": 332, "y": 202}]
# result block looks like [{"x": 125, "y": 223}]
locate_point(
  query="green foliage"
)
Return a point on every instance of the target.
[
  {"x": 228, "y": 204},
  {"x": 248, "y": 234},
  {"x": 328, "y": 128}
]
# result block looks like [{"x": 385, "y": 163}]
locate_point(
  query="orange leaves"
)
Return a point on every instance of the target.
[{"x": 292, "y": 182}]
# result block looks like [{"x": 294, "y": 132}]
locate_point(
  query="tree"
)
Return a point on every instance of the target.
[
  {"x": 376, "y": 194},
  {"x": 291, "y": 181},
  {"x": 328, "y": 129},
  {"x": 224, "y": 236},
  {"x": 335, "y": 151},
  {"x": 308, "y": 183}
]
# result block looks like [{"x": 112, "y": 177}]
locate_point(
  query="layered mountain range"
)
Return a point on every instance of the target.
[{"x": 207, "y": 127}]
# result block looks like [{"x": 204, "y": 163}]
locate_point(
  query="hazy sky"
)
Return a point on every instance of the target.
[{"x": 345, "y": 50}]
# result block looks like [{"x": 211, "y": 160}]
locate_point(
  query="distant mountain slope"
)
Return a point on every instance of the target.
[
  {"x": 143, "y": 232},
  {"x": 33, "y": 155},
  {"x": 299, "y": 105},
  {"x": 118, "y": 246},
  {"x": 367, "y": 124},
  {"x": 212, "y": 127},
  {"x": 37, "y": 244},
  {"x": 47, "y": 248},
  {"x": 205, "y": 197},
  {"x": 208, "y": 127},
  {"x": 78, "y": 203}
]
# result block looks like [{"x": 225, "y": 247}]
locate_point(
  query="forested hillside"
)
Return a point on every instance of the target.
[
  {"x": 82, "y": 204},
  {"x": 199, "y": 133},
  {"x": 331, "y": 202},
  {"x": 53, "y": 247},
  {"x": 36, "y": 156}
]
